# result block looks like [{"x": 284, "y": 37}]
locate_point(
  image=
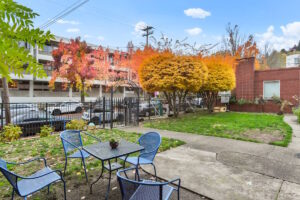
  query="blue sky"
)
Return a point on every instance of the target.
[{"x": 113, "y": 23}]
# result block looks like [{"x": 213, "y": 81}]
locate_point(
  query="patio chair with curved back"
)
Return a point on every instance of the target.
[
  {"x": 72, "y": 142},
  {"x": 151, "y": 142},
  {"x": 145, "y": 189},
  {"x": 25, "y": 186}
]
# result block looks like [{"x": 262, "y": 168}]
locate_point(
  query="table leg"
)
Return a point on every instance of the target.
[
  {"x": 91, "y": 187},
  {"x": 109, "y": 179}
]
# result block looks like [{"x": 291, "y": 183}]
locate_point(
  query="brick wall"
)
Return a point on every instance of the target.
[
  {"x": 245, "y": 79},
  {"x": 289, "y": 81},
  {"x": 249, "y": 82}
]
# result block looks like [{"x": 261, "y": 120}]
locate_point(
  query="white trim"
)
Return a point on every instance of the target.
[{"x": 270, "y": 81}]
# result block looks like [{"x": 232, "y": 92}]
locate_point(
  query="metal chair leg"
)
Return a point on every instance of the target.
[
  {"x": 137, "y": 173},
  {"x": 65, "y": 193},
  {"x": 86, "y": 177},
  {"x": 66, "y": 162},
  {"x": 48, "y": 189},
  {"x": 154, "y": 171},
  {"x": 13, "y": 194}
]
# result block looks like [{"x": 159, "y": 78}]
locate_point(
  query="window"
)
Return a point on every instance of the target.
[
  {"x": 271, "y": 88},
  {"x": 297, "y": 60}
]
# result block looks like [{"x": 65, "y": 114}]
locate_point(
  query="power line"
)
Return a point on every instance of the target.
[{"x": 63, "y": 13}]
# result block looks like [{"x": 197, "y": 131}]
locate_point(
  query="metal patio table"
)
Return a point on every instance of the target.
[{"x": 104, "y": 152}]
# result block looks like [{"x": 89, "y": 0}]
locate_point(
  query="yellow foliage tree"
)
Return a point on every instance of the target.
[
  {"x": 175, "y": 76},
  {"x": 221, "y": 77}
]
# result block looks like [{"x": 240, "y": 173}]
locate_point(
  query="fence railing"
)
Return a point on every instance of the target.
[{"x": 104, "y": 113}]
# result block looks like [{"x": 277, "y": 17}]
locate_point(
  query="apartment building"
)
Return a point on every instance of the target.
[
  {"x": 32, "y": 89},
  {"x": 293, "y": 60}
]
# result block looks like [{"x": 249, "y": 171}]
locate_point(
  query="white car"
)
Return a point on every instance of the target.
[
  {"x": 96, "y": 116},
  {"x": 65, "y": 107}
]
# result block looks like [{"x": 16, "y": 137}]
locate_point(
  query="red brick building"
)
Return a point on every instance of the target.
[{"x": 252, "y": 84}]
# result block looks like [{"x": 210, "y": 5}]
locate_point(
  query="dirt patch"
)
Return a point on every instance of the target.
[
  {"x": 78, "y": 189},
  {"x": 265, "y": 136}
]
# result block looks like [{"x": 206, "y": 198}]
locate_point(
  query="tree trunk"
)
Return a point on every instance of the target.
[
  {"x": 175, "y": 110},
  {"x": 5, "y": 100},
  {"x": 209, "y": 99},
  {"x": 82, "y": 93},
  {"x": 169, "y": 102}
]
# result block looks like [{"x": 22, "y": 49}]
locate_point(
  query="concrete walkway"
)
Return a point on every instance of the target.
[{"x": 230, "y": 169}]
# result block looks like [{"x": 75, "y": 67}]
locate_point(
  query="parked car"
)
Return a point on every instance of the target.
[
  {"x": 96, "y": 116},
  {"x": 31, "y": 122},
  {"x": 20, "y": 108},
  {"x": 65, "y": 107},
  {"x": 197, "y": 102},
  {"x": 146, "y": 110}
]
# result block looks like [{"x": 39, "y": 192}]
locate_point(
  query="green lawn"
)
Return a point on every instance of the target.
[
  {"x": 265, "y": 128},
  {"x": 51, "y": 148}
]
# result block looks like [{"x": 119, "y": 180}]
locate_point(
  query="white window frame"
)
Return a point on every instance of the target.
[{"x": 270, "y": 81}]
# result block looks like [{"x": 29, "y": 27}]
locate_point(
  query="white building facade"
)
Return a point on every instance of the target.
[
  {"x": 293, "y": 60},
  {"x": 28, "y": 89}
]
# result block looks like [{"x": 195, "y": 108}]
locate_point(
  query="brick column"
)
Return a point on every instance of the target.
[{"x": 244, "y": 73}]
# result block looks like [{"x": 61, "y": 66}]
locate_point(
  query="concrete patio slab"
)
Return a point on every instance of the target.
[
  {"x": 289, "y": 191},
  {"x": 261, "y": 165},
  {"x": 214, "y": 179}
]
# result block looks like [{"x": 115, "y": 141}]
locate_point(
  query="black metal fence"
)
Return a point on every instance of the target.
[{"x": 104, "y": 113}]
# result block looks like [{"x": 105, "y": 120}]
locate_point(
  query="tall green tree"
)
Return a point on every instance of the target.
[{"x": 16, "y": 26}]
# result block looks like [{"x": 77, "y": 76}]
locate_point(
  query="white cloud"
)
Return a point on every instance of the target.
[
  {"x": 61, "y": 21},
  {"x": 87, "y": 36},
  {"x": 291, "y": 29},
  {"x": 138, "y": 26},
  {"x": 73, "y": 30},
  {"x": 101, "y": 38},
  {"x": 287, "y": 39},
  {"x": 197, "y": 13},
  {"x": 194, "y": 31}
]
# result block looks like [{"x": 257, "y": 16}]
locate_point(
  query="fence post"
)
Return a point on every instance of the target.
[
  {"x": 138, "y": 107},
  {"x": 46, "y": 111},
  {"x": 90, "y": 114},
  {"x": 111, "y": 107},
  {"x": 149, "y": 107},
  {"x": 2, "y": 115},
  {"x": 103, "y": 101}
]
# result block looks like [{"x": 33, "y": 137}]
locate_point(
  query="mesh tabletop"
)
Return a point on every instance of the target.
[{"x": 103, "y": 150}]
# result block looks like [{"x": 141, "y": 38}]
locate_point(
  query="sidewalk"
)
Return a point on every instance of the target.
[{"x": 224, "y": 169}]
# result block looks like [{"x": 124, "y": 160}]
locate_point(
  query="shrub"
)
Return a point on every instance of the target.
[
  {"x": 282, "y": 103},
  {"x": 10, "y": 133},
  {"x": 232, "y": 99},
  {"x": 296, "y": 112},
  {"x": 46, "y": 130},
  {"x": 76, "y": 124},
  {"x": 243, "y": 101}
]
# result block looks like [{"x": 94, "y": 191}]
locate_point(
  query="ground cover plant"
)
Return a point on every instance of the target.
[
  {"x": 51, "y": 148},
  {"x": 264, "y": 128}
]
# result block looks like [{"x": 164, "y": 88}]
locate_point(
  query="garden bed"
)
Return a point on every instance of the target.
[
  {"x": 254, "y": 127},
  {"x": 51, "y": 148}
]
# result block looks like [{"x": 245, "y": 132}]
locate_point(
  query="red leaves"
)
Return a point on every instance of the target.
[{"x": 76, "y": 63}]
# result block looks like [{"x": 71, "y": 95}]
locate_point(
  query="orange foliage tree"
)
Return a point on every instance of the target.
[
  {"x": 175, "y": 76},
  {"x": 136, "y": 58},
  {"x": 221, "y": 77}
]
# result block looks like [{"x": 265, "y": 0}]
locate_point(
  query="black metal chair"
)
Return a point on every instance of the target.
[{"x": 145, "y": 189}]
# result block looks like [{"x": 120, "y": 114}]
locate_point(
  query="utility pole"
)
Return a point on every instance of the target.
[{"x": 148, "y": 31}]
